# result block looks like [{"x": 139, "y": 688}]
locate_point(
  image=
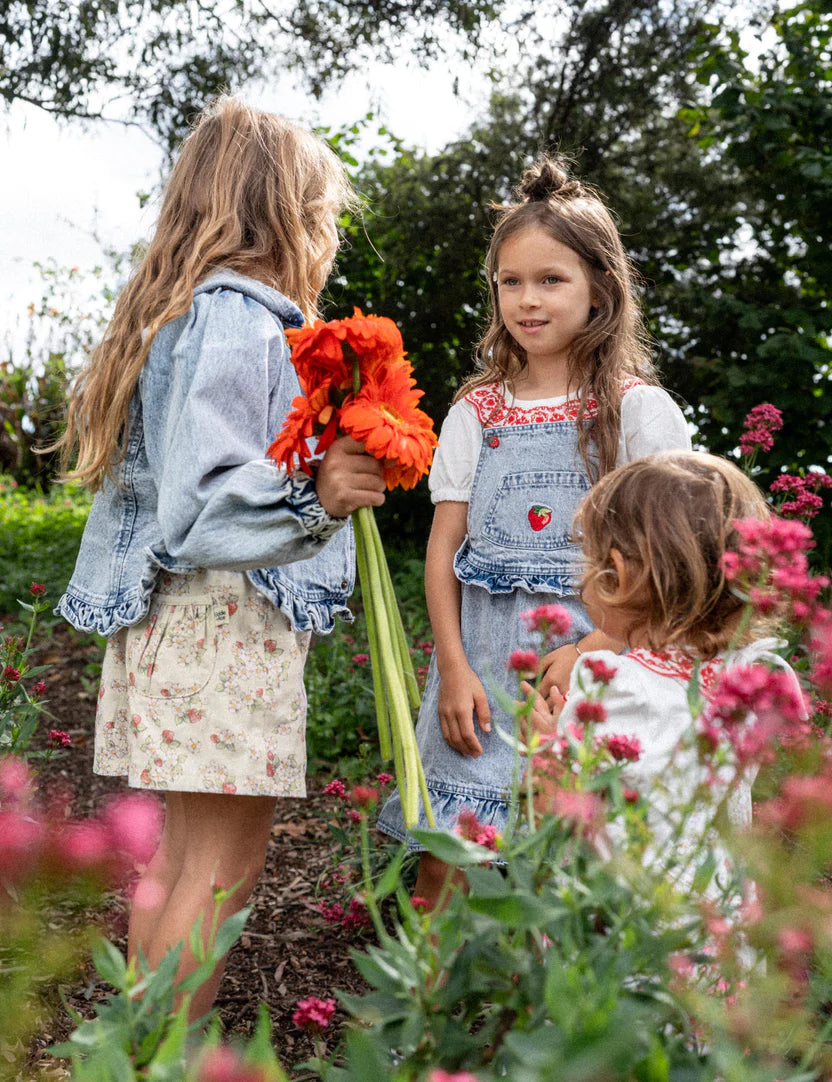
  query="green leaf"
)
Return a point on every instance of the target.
[
  {"x": 110, "y": 963},
  {"x": 451, "y": 848},
  {"x": 704, "y": 873}
]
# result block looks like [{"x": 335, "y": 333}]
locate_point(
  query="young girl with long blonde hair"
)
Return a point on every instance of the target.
[
  {"x": 206, "y": 566},
  {"x": 565, "y": 392}
]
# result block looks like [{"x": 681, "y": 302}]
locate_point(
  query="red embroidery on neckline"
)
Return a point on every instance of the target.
[
  {"x": 493, "y": 412},
  {"x": 676, "y": 664}
]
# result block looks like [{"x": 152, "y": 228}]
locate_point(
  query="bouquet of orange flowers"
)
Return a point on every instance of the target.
[{"x": 356, "y": 381}]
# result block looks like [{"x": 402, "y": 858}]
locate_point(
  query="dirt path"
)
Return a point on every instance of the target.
[{"x": 287, "y": 951}]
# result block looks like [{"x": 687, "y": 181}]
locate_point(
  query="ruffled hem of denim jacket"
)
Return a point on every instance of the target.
[
  {"x": 560, "y": 585},
  {"x": 446, "y": 803},
  {"x": 107, "y": 619},
  {"x": 303, "y": 614}
]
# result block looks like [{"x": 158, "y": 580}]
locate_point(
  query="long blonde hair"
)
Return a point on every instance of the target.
[
  {"x": 613, "y": 345},
  {"x": 671, "y": 516},
  {"x": 250, "y": 192}
]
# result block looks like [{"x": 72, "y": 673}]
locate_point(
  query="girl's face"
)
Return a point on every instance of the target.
[{"x": 545, "y": 295}]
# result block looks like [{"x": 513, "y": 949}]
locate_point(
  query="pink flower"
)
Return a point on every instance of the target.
[
  {"x": 384, "y": 778},
  {"x": 360, "y": 659},
  {"x": 134, "y": 824},
  {"x": 224, "y": 1064},
  {"x": 588, "y": 712},
  {"x": 438, "y": 1075},
  {"x": 601, "y": 672},
  {"x": 354, "y": 815},
  {"x": 58, "y": 738},
  {"x": 470, "y": 828},
  {"x": 21, "y": 843},
  {"x": 336, "y": 788},
  {"x": 37, "y": 589},
  {"x": 580, "y": 808},
  {"x": 760, "y": 423},
  {"x": 623, "y": 748},
  {"x": 313, "y": 1014},
  {"x": 551, "y": 621},
  {"x": 11, "y": 675},
  {"x": 83, "y": 847},
  {"x": 356, "y": 918},
  {"x": 630, "y": 795},
  {"x": 777, "y": 704},
  {"x": 795, "y": 941},
  {"x": 363, "y": 796},
  {"x": 15, "y": 779},
  {"x": 421, "y": 905},
  {"x": 524, "y": 661},
  {"x": 332, "y": 914},
  {"x": 39, "y": 688}
]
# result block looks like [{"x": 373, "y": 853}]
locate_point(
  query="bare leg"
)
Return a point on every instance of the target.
[
  {"x": 210, "y": 839},
  {"x": 435, "y": 880}
]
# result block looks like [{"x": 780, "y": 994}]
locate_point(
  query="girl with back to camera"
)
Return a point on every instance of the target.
[
  {"x": 565, "y": 392},
  {"x": 654, "y": 536},
  {"x": 206, "y": 566}
]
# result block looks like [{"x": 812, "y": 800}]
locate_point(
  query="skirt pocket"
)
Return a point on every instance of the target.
[{"x": 172, "y": 654}]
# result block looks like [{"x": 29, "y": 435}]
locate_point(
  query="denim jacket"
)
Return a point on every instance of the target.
[
  {"x": 195, "y": 489},
  {"x": 529, "y": 481}
]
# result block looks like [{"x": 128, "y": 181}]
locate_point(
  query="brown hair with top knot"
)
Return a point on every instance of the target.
[
  {"x": 613, "y": 345},
  {"x": 671, "y": 516}
]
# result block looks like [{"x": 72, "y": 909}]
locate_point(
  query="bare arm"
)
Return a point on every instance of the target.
[
  {"x": 558, "y": 664},
  {"x": 461, "y": 694}
]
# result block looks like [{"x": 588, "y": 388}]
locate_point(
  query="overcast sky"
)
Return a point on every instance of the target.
[{"x": 60, "y": 184}]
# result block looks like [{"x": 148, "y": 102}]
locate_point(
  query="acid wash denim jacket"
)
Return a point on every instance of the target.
[{"x": 195, "y": 489}]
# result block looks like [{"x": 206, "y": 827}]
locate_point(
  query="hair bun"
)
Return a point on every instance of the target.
[{"x": 547, "y": 177}]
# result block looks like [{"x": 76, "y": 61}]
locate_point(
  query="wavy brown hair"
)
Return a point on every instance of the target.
[
  {"x": 250, "y": 192},
  {"x": 613, "y": 345},
  {"x": 671, "y": 517}
]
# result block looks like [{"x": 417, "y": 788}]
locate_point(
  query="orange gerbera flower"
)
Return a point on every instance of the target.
[
  {"x": 318, "y": 354},
  {"x": 384, "y": 417},
  {"x": 309, "y": 414},
  {"x": 376, "y": 341}
]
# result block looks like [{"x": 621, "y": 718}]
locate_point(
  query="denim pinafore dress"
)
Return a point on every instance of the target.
[{"x": 518, "y": 554}]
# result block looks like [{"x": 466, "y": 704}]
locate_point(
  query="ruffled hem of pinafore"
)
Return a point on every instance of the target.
[{"x": 447, "y": 803}]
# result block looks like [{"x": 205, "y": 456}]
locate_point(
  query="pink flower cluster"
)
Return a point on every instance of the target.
[
  {"x": 805, "y": 501},
  {"x": 525, "y": 662},
  {"x": 589, "y": 711},
  {"x": 472, "y": 830},
  {"x": 770, "y": 562},
  {"x": 601, "y": 672},
  {"x": 551, "y": 621},
  {"x": 34, "y": 842},
  {"x": 802, "y": 800},
  {"x": 354, "y": 918},
  {"x": 313, "y": 1014},
  {"x": 224, "y": 1064},
  {"x": 760, "y": 424},
  {"x": 622, "y": 748},
  {"x": 771, "y": 698},
  {"x": 820, "y": 647},
  {"x": 438, "y": 1075}
]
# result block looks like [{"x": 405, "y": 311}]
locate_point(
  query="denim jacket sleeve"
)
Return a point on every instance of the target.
[{"x": 207, "y": 419}]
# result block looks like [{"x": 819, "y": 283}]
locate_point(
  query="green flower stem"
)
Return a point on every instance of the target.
[
  {"x": 400, "y": 640},
  {"x": 385, "y": 739},
  {"x": 387, "y": 661}
]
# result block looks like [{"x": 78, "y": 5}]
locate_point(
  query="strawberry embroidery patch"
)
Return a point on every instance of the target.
[{"x": 539, "y": 516}]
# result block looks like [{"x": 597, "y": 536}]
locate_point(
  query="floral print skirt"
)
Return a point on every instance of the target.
[{"x": 206, "y": 694}]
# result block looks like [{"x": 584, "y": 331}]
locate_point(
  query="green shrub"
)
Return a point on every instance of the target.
[{"x": 39, "y": 539}]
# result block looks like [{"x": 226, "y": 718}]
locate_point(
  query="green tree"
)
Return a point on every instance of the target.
[{"x": 78, "y": 58}]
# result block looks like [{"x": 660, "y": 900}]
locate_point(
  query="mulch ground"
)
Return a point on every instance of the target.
[{"x": 287, "y": 951}]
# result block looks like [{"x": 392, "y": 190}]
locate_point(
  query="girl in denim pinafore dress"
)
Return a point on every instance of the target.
[{"x": 566, "y": 392}]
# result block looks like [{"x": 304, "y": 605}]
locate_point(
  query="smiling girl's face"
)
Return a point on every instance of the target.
[{"x": 545, "y": 299}]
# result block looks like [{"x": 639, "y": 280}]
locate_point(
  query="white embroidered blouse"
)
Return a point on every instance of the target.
[{"x": 650, "y": 421}]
